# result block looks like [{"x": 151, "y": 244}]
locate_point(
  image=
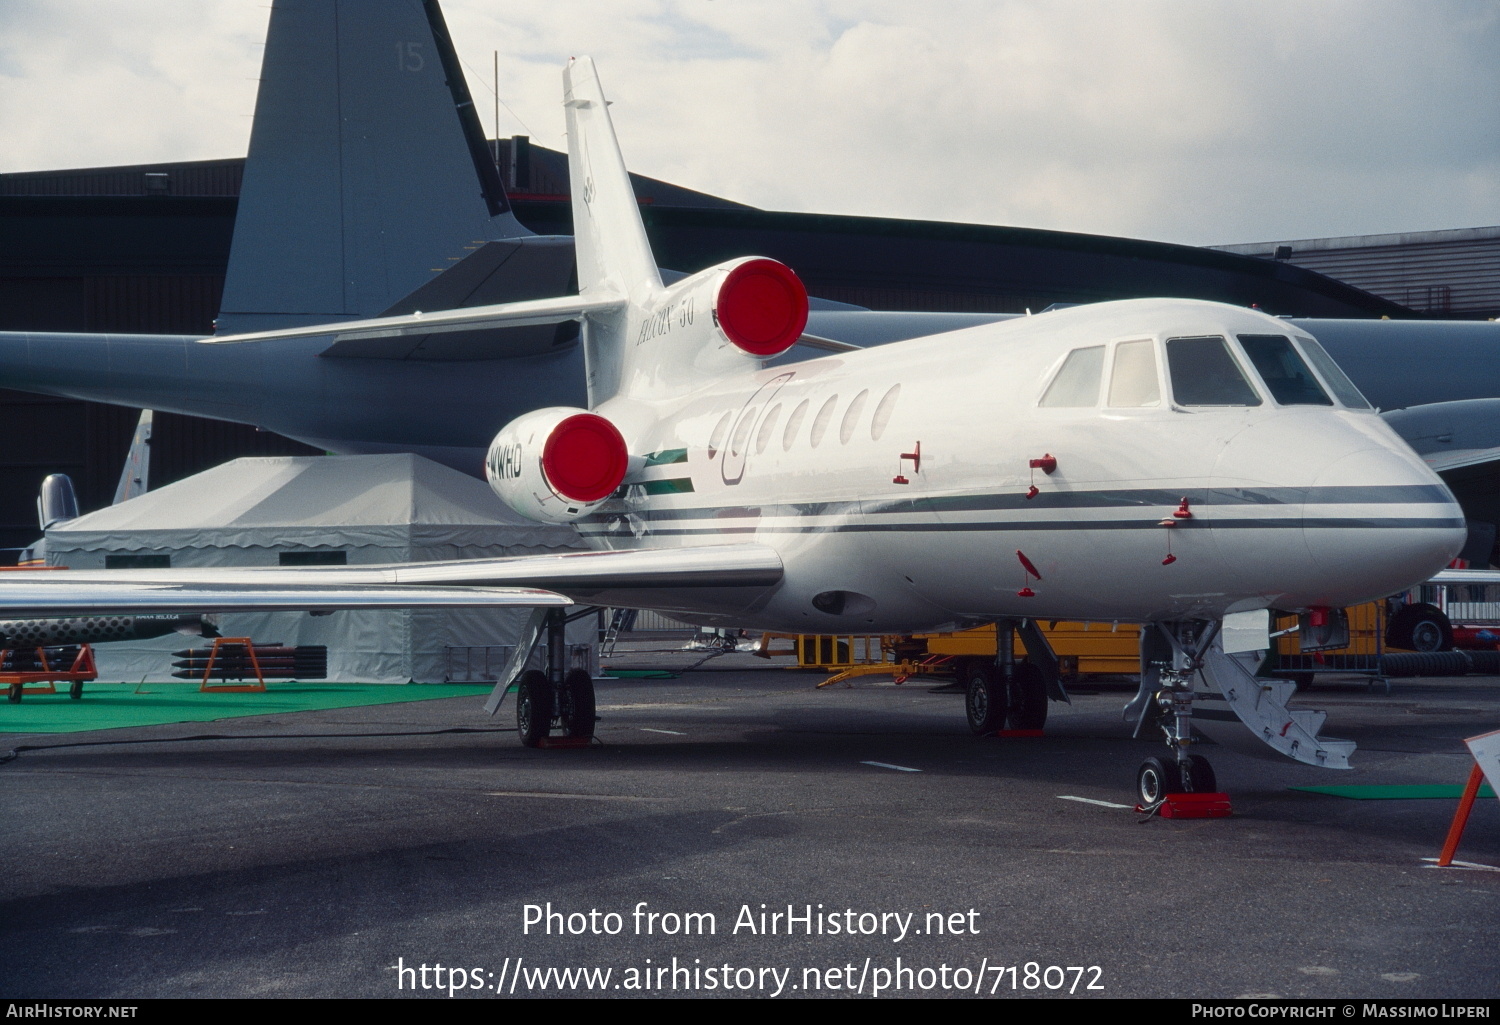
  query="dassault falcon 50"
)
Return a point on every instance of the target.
[{"x": 1179, "y": 463}]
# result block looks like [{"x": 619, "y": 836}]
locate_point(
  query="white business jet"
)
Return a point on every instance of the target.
[{"x": 1170, "y": 462}]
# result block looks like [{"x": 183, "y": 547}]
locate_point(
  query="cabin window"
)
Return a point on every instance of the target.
[
  {"x": 821, "y": 421},
  {"x": 767, "y": 428},
  {"x": 1076, "y": 385},
  {"x": 1205, "y": 374},
  {"x": 313, "y": 558},
  {"x": 717, "y": 437},
  {"x": 793, "y": 425},
  {"x": 739, "y": 444},
  {"x": 883, "y": 412},
  {"x": 1133, "y": 383},
  {"x": 1333, "y": 375},
  {"x": 851, "y": 416},
  {"x": 138, "y": 561},
  {"x": 1287, "y": 377}
]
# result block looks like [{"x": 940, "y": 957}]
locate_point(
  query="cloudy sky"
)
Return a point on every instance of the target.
[{"x": 1197, "y": 121}]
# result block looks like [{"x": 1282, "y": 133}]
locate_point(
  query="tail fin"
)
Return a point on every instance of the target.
[
  {"x": 135, "y": 479},
  {"x": 723, "y": 319},
  {"x": 368, "y": 169},
  {"x": 613, "y": 253}
]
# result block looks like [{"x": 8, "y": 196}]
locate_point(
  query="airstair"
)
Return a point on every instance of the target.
[{"x": 1261, "y": 704}]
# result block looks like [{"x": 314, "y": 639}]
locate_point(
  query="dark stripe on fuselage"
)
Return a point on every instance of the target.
[
  {"x": 1364, "y": 523},
  {"x": 1404, "y": 494}
]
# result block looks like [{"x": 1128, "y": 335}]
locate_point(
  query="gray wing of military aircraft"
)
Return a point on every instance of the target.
[{"x": 370, "y": 190}]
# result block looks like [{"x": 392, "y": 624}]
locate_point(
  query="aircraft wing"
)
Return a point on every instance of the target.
[
  {"x": 533, "y": 580},
  {"x": 45, "y": 595},
  {"x": 1462, "y": 459}
]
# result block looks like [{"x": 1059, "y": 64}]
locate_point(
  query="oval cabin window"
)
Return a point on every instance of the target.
[
  {"x": 767, "y": 428},
  {"x": 717, "y": 437},
  {"x": 883, "y": 412},
  {"x": 793, "y": 425},
  {"x": 851, "y": 416},
  {"x": 821, "y": 421}
]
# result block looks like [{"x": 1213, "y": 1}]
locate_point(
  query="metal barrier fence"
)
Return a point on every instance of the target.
[
  {"x": 482, "y": 663},
  {"x": 655, "y": 623},
  {"x": 1465, "y": 603}
]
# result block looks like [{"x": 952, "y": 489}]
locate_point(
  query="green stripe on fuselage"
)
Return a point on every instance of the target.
[{"x": 667, "y": 455}]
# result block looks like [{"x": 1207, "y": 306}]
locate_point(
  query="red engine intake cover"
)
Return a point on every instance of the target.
[
  {"x": 762, "y": 307},
  {"x": 585, "y": 458}
]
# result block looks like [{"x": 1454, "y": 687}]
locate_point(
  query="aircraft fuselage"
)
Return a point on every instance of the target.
[{"x": 1287, "y": 506}]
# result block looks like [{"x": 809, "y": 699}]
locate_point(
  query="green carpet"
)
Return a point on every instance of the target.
[
  {"x": 1408, "y": 792},
  {"x": 107, "y": 706}
]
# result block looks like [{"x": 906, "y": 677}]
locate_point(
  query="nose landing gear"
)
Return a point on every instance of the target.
[{"x": 1181, "y": 785}]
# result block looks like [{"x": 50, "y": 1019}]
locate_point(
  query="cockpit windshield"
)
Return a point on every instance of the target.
[
  {"x": 1205, "y": 374},
  {"x": 1337, "y": 381},
  {"x": 1077, "y": 383},
  {"x": 1286, "y": 376}
]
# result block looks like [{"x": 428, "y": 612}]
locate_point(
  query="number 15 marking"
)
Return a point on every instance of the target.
[{"x": 409, "y": 57}]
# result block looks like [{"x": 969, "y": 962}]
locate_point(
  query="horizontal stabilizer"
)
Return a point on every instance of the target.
[
  {"x": 417, "y": 325},
  {"x": 494, "y": 273}
]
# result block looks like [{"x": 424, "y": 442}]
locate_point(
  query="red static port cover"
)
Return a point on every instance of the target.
[
  {"x": 585, "y": 458},
  {"x": 762, "y": 307}
]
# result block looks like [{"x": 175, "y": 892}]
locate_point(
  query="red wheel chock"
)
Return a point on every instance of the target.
[
  {"x": 1193, "y": 806},
  {"x": 565, "y": 742}
]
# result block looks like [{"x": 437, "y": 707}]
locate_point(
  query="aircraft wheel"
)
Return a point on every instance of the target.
[
  {"x": 1420, "y": 627},
  {"x": 984, "y": 699},
  {"x": 1028, "y": 698},
  {"x": 1155, "y": 779},
  {"x": 533, "y": 707},
  {"x": 1200, "y": 776},
  {"x": 578, "y": 709},
  {"x": 76, "y": 690}
]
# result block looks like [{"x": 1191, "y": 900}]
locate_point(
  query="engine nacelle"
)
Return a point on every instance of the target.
[
  {"x": 761, "y": 307},
  {"x": 751, "y": 306},
  {"x": 557, "y": 464}
]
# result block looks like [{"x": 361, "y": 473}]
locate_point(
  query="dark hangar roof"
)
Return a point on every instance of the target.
[{"x": 883, "y": 263}]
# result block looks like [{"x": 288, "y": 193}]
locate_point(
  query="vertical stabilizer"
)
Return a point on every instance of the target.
[
  {"x": 135, "y": 479},
  {"x": 724, "y": 319},
  {"x": 368, "y": 170},
  {"x": 609, "y": 239}
]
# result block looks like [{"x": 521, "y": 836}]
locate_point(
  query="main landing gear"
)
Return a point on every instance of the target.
[
  {"x": 558, "y": 698},
  {"x": 1171, "y": 657},
  {"x": 1007, "y": 694}
]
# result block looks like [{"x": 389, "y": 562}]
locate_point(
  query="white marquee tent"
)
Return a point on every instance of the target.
[{"x": 288, "y": 510}]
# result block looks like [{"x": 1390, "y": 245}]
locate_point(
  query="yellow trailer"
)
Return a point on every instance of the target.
[{"x": 1081, "y": 648}]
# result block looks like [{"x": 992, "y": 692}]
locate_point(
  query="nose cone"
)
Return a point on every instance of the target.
[
  {"x": 1377, "y": 521},
  {"x": 1326, "y": 507}
]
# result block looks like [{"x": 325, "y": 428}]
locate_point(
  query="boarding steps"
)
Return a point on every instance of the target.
[
  {"x": 623, "y": 621},
  {"x": 1260, "y": 703}
]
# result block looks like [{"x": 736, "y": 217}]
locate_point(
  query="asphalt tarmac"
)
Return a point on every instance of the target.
[{"x": 342, "y": 852}]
